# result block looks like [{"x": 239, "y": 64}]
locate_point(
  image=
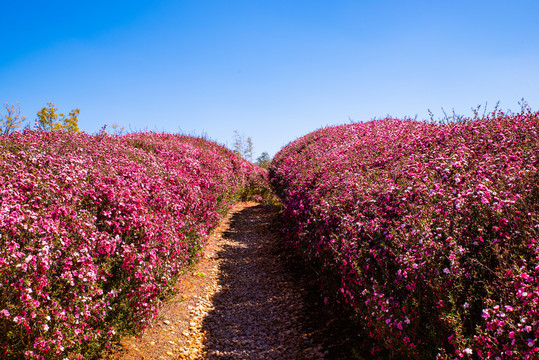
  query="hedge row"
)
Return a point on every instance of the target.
[
  {"x": 95, "y": 230},
  {"x": 426, "y": 233}
]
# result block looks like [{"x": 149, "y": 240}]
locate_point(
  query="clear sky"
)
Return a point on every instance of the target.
[{"x": 273, "y": 70}]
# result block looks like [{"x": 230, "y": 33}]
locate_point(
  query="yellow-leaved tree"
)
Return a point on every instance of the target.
[
  {"x": 12, "y": 120},
  {"x": 49, "y": 120}
]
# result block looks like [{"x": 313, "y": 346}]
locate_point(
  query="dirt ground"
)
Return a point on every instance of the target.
[{"x": 248, "y": 298}]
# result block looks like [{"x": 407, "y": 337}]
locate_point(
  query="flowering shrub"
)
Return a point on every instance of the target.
[
  {"x": 426, "y": 233},
  {"x": 94, "y": 231}
]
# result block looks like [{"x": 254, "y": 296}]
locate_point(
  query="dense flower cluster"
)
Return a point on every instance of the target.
[
  {"x": 94, "y": 230},
  {"x": 427, "y": 233}
]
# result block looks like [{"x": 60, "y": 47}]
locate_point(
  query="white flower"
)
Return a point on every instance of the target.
[
  {"x": 46, "y": 327},
  {"x": 468, "y": 351}
]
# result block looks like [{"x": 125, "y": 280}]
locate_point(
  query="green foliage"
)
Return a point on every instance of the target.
[
  {"x": 263, "y": 160},
  {"x": 12, "y": 120},
  {"x": 49, "y": 120}
]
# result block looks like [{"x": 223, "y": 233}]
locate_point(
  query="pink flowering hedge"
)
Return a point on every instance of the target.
[
  {"x": 94, "y": 231},
  {"x": 426, "y": 233}
]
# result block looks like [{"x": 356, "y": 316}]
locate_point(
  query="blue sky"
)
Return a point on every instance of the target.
[{"x": 272, "y": 70}]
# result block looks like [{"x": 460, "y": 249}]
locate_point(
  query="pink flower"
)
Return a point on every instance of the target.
[
  {"x": 73, "y": 204},
  {"x": 432, "y": 201}
]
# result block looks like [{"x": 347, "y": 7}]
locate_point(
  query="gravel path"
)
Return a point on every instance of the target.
[
  {"x": 244, "y": 300},
  {"x": 257, "y": 311}
]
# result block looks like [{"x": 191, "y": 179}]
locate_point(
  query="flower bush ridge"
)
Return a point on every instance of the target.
[
  {"x": 427, "y": 233},
  {"x": 94, "y": 231}
]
